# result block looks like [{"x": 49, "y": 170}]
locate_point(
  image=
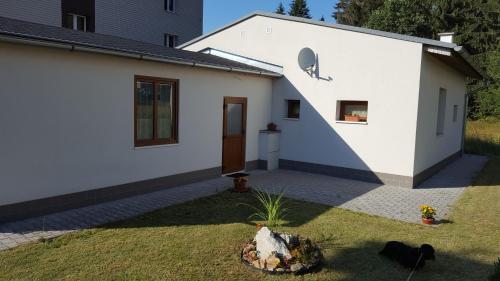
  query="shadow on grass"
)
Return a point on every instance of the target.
[
  {"x": 490, "y": 175},
  {"x": 482, "y": 146},
  {"x": 224, "y": 208},
  {"x": 364, "y": 263}
]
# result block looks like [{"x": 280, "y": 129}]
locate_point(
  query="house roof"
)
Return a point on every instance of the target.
[
  {"x": 462, "y": 52},
  {"x": 18, "y": 31}
]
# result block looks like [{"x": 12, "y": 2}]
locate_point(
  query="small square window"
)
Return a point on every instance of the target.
[
  {"x": 170, "y": 40},
  {"x": 170, "y": 5},
  {"x": 353, "y": 111},
  {"x": 293, "y": 109}
]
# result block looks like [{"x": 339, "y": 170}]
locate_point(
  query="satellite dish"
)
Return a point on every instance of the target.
[{"x": 307, "y": 59}]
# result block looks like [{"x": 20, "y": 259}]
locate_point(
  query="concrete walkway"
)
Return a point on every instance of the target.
[{"x": 441, "y": 191}]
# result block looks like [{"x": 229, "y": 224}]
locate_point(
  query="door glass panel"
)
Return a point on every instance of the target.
[
  {"x": 164, "y": 111},
  {"x": 234, "y": 118},
  {"x": 144, "y": 121}
]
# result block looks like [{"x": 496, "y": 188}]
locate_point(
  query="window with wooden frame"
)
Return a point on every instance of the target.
[
  {"x": 353, "y": 111},
  {"x": 292, "y": 109},
  {"x": 156, "y": 111}
]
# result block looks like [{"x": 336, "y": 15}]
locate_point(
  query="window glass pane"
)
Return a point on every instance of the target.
[
  {"x": 441, "y": 112},
  {"x": 234, "y": 118},
  {"x": 164, "y": 111},
  {"x": 170, "y": 5},
  {"x": 293, "y": 109},
  {"x": 144, "y": 110},
  {"x": 80, "y": 23},
  {"x": 455, "y": 113},
  {"x": 353, "y": 111},
  {"x": 357, "y": 110},
  {"x": 69, "y": 21}
]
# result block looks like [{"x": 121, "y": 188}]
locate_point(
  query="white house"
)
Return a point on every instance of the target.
[
  {"x": 410, "y": 93},
  {"x": 86, "y": 118}
]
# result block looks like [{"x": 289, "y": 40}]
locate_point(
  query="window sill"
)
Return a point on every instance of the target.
[
  {"x": 155, "y": 146},
  {"x": 351, "y": 122},
  {"x": 291, "y": 119}
]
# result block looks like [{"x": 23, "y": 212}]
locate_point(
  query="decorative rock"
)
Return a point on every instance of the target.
[
  {"x": 269, "y": 244},
  {"x": 272, "y": 263},
  {"x": 259, "y": 264},
  {"x": 297, "y": 267},
  {"x": 292, "y": 241}
]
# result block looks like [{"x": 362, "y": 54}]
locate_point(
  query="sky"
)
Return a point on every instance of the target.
[{"x": 218, "y": 13}]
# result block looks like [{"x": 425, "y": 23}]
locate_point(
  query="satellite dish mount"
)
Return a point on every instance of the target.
[{"x": 307, "y": 60}]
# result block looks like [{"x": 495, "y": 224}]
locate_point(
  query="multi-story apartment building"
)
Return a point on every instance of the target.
[{"x": 161, "y": 22}]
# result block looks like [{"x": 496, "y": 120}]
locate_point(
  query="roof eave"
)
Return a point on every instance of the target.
[
  {"x": 468, "y": 58},
  {"x": 75, "y": 46}
]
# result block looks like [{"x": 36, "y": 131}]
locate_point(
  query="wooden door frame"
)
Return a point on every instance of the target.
[{"x": 237, "y": 100}]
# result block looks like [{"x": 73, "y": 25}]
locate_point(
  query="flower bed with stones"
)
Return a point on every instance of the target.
[{"x": 281, "y": 253}]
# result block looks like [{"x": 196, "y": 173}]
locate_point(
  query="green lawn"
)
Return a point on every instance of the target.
[{"x": 200, "y": 240}]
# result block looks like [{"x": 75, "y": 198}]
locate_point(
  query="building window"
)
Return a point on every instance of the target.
[
  {"x": 353, "y": 111},
  {"x": 76, "y": 22},
  {"x": 293, "y": 109},
  {"x": 170, "y": 40},
  {"x": 156, "y": 111},
  {"x": 170, "y": 5},
  {"x": 455, "y": 113},
  {"x": 441, "y": 112}
]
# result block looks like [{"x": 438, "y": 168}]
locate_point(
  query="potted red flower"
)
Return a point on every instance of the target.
[
  {"x": 271, "y": 127},
  {"x": 240, "y": 184},
  {"x": 428, "y": 214},
  {"x": 351, "y": 118}
]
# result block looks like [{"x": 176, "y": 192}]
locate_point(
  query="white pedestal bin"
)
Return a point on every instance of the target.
[{"x": 269, "y": 148}]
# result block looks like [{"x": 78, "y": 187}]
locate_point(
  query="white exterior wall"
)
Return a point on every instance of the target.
[
  {"x": 431, "y": 148},
  {"x": 67, "y": 121},
  {"x": 383, "y": 71}
]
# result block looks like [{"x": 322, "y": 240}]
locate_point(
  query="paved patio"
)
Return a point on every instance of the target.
[{"x": 441, "y": 191}]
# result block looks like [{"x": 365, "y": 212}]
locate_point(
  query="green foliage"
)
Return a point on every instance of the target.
[
  {"x": 476, "y": 27},
  {"x": 355, "y": 12},
  {"x": 405, "y": 17},
  {"x": 281, "y": 9},
  {"x": 322, "y": 18},
  {"x": 273, "y": 208},
  {"x": 298, "y": 8},
  {"x": 496, "y": 274}
]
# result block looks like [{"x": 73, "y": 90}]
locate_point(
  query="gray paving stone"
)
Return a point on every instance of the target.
[{"x": 441, "y": 191}]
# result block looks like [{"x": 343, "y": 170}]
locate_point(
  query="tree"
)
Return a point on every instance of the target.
[
  {"x": 298, "y": 8},
  {"x": 405, "y": 17},
  {"x": 322, "y": 18},
  {"x": 476, "y": 27},
  {"x": 281, "y": 9},
  {"x": 355, "y": 12}
]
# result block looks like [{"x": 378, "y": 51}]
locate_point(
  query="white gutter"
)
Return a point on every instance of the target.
[{"x": 97, "y": 50}]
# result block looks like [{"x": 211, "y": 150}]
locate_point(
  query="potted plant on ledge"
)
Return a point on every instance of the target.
[{"x": 428, "y": 214}]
